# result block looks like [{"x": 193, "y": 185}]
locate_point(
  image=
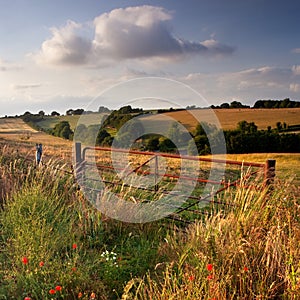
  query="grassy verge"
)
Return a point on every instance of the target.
[
  {"x": 252, "y": 253},
  {"x": 54, "y": 245}
]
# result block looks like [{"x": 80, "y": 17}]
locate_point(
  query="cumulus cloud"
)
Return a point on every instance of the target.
[
  {"x": 66, "y": 46},
  {"x": 126, "y": 33}
]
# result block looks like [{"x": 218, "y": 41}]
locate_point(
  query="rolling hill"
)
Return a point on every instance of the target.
[{"x": 228, "y": 118}]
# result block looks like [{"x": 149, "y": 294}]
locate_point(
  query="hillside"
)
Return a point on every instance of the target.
[
  {"x": 229, "y": 117},
  {"x": 15, "y": 132},
  {"x": 88, "y": 119}
]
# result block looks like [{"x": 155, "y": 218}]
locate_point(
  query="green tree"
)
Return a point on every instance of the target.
[
  {"x": 102, "y": 136},
  {"x": 152, "y": 144},
  {"x": 63, "y": 130},
  {"x": 247, "y": 127},
  {"x": 166, "y": 145}
]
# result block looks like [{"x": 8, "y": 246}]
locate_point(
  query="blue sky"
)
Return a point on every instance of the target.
[{"x": 56, "y": 55}]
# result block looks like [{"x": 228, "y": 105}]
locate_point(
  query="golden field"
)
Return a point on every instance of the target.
[{"x": 229, "y": 118}]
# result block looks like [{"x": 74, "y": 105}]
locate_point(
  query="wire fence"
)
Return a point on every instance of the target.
[
  {"x": 142, "y": 177},
  {"x": 146, "y": 176}
]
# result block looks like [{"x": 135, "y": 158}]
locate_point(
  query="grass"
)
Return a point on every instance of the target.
[
  {"x": 287, "y": 164},
  {"x": 252, "y": 253},
  {"x": 53, "y": 240},
  {"x": 50, "y": 237},
  {"x": 88, "y": 119}
]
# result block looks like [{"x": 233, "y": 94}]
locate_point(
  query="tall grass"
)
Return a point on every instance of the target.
[
  {"x": 52, "y": 239},
  {"x": 251, "y": 253}
]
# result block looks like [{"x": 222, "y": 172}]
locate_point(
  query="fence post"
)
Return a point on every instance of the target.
[
  {"x": 156, "y": 174},
  {"x": 269, "y": 172},
  {"x": 78, "y": 157},
  {"x": 78, "y": 162}
]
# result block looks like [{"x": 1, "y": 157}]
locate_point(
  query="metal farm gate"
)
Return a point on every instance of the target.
[{"x": 140, "y": 176}]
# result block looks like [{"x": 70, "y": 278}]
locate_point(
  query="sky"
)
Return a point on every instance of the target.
[{"x": 62, "y": 54}]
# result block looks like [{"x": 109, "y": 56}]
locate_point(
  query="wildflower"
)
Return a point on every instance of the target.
[
  {"x": 80, "y": 295},
  {"x": 191, "y": 278},
  {"x": 52, "y": 291},
  {"x": 27, "y": 298},
  {"x": 210, "y": 277},
  {"x": 246, "y": 269},
  {"x": 93, "y": 296},
  {"x": 41, "y": 264},
  {"x": 58, "y": 288},
  {"x": 209, "y": 267},
  {"x": 25, "y": 260},
  {"x": 74, "y": 269},
  {"x": 74, "y": 246}
]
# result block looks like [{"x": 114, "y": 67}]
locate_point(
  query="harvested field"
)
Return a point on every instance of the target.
[{"x": 228, "y": 118}]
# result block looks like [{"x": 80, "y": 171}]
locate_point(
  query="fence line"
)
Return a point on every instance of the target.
[
  {"x": 268, "y": 167},
  {"x": 267, "y": 170}
]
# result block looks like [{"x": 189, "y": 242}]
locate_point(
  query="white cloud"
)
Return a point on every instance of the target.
[
  {"x": 251, "y": 84},
  {"x": 66, "y": 47},
  {"x": 296, "y": 69},
  {"x": 296, "y": 50},
  {"x": 295, "y": 87},
  {"x": 8, "y": 66},
  {"x": 141, "y": 32}
]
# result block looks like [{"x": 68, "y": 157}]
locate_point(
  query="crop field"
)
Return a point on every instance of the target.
[
  {"x": 22, "y": 138},
  {"x": 228, "y": 118}
]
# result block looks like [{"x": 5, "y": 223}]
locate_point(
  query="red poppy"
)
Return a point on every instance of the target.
[
  {"x": 209, "y": 267},
  {"x": 191, "y": 278},
  {"x": 74, "y": 246},
  {"x": 58, "y": 288},
  {"x": 25, "y": 260},
  {"x": 246, "y": 269},
  {"x": 80, "y": 295},
  {"x": 93, "y": 296},
  {"x": 74, "y": 269},
  {"x": 41, "y": 264},
  {"x": 27, "y": 298},
  {"x": 52, "y": 291},
  {"x": 210, "y": 277}
]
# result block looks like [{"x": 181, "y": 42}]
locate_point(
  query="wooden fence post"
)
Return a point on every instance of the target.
[
  {"x": 270, "y": 171},
  {"x": 78, "y": 162},
  {"x": 78, "y": 157},
  {"x": 156, "y": 174}
]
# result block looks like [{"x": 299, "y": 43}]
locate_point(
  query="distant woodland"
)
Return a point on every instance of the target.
[{"x": 121, "y": 127}]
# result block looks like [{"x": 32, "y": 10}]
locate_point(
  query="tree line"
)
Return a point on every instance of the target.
[
  {"x": 246, "y": 138},
  {"x": 285, "y": 103}
]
